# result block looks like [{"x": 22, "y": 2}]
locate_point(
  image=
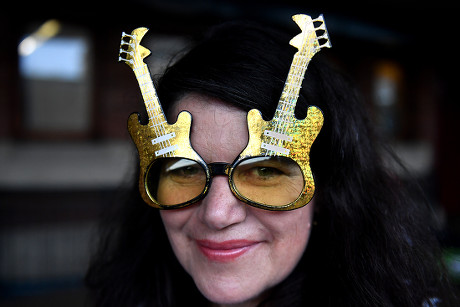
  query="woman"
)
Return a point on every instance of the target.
[{"x": 361, "y": 241}]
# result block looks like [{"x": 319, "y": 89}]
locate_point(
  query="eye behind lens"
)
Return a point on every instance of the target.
[
  {"x": 271, "y": 180},
  {"x": 175, "y": 181}
]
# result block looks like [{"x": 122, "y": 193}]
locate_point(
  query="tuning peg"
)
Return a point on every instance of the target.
[
  {"x": 131, "y": 53},
  {"x": 124, "y": 34},
  {"x": 320, "y": 18},
  {"x": 327, "y": 44},
  {"x": 123, "y": 42},
  {"x": 321, "y": 27},
  {"x": 325, "y": 35},
  {"x": 120, "y": 58}
]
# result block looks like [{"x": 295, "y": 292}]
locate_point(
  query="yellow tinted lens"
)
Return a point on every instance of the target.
[
  {"x": 173, "y": 181},
  {"x": 274, "y": 181}
]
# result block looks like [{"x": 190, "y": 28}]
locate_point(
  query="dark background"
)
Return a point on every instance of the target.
[{"x": 56, "y": 180}]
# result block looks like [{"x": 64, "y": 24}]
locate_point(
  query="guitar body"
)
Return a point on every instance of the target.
[
  {"x": 303, "y": 132},
  {"x": 285, "y": 135},
  {"x": 157, "y": 139},
  {"x": 142, "y": 136}
]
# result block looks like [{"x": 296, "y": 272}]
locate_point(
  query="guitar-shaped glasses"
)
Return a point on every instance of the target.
[{"x": 272, "y": 172}]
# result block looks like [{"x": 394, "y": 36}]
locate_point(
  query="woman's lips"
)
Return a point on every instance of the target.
[{"x": 225, "y": 251}]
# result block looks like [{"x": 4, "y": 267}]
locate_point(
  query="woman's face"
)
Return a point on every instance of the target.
[{"x": 234, "y": 252}]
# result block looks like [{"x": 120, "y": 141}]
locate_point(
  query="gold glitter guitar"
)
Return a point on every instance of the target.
[
  {"x": 285, "y": 135},
  {"x": 157, "y": 138}
]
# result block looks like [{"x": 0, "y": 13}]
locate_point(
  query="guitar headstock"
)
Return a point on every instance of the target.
[
  {"x": 131, "y": 52},
  {"x": 312, "y": 38}
]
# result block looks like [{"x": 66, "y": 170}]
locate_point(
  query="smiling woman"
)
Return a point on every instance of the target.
[
  {"x": 225, "y": 238},
  {"x": 233, "y": 252}
]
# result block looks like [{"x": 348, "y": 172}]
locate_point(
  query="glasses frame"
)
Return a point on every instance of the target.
[
  {"x": 221, "y": 169},
  {"x": 303, "y": 132}
]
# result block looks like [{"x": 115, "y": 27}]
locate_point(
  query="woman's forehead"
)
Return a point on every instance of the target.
[
  {"x": 194, "y": 102},
  {"x": 219, "y": 130}
]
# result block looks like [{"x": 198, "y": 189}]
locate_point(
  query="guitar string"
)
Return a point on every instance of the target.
[
  {"x": 153, "y": 109},
  {"x": 286, "y": 113},
  {"x": 293, "y": 89},
  {"x": 283, "y": 107},
  {"x": 144, "y": 80}
]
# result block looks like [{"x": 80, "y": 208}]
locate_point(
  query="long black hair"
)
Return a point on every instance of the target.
[{"x": 371, "y": 243}]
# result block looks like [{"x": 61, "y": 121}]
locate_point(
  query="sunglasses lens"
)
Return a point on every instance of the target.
[
  {"x": 273, "y": 181},
  {"x": 174, "y": 181}
]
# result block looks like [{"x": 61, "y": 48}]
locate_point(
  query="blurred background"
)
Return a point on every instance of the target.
[{"x": 65, "y": 154}]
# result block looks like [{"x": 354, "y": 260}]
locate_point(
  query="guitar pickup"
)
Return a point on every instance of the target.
[
  {"x": 277, "y": 149},
  {"x": 278, "y": 135},
  {"x": 163, "y": 138},
  {"x": 166, "y": 150}
]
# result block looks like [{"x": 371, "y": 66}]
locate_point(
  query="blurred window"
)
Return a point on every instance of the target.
[{"x": 55, "y": 71}]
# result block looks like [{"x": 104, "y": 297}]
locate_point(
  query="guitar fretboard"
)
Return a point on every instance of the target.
[
  {"x": 286, "y": 105},
  {"x": 150, "y": 96},
  {"x": 157, "y": 120},
  {"x": 283, "y": 120}
]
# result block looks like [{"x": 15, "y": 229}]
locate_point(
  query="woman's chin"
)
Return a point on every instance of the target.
[{"x": 232, "y": 294}]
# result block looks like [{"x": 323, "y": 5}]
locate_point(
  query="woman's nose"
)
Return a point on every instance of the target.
[{"x": 220, "y": 208}]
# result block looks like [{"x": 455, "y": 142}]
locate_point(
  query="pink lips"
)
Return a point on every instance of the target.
[{"x": 225, "y": 251}]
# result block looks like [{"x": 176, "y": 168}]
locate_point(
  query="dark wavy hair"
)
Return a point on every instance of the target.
[{"x": 372, "y": 243}]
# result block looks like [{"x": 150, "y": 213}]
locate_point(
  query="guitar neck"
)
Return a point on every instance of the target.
[
  {"x": 291, "y": 90},
  {"x": 151, "y": 101}
]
